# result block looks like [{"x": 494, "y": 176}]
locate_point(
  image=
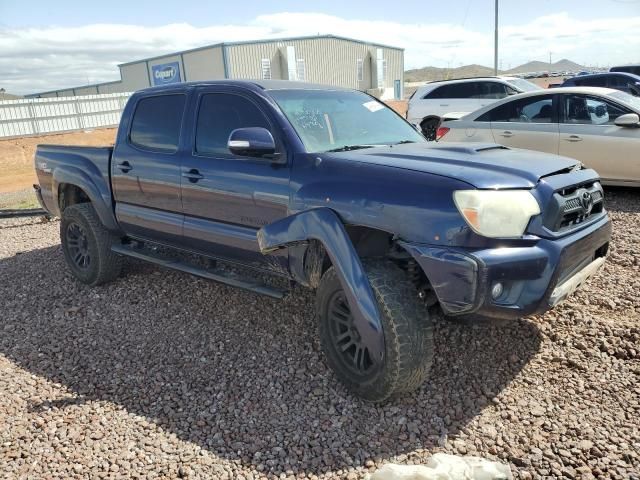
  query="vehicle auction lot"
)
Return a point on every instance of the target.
[{"x": 164, "y": 375}]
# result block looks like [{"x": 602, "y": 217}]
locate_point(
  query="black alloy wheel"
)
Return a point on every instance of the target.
[
  {"x": 346, "y": 339},
  {"x": 77, "y": 244},
  {"x": 86, "y": 245}
]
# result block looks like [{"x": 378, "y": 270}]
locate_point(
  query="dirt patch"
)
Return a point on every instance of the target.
[
  {"x": 399, "y": 106},
  {"x": 16, "y": 154}
]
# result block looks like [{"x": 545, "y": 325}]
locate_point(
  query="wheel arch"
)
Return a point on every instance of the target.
[
  {"x": 73, "y": 186},
  {"x": 70, "y": 194},
  {"x": 314, "y": 259}
]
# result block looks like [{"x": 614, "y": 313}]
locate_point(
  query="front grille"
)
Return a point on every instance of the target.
[
  {"x": 572, "y": 204},
  {"x": 571, "y": 207}
]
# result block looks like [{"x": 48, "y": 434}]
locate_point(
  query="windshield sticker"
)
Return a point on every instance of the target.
[{"x": 373, "y": 106}]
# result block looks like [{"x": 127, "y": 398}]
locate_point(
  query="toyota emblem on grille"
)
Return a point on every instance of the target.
[{"x": 586, "y": 200}]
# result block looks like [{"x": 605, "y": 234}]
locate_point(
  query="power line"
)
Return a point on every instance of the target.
[{"x": 495, "y": 44}]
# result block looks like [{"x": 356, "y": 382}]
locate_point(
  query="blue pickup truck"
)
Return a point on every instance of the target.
[{"x": 330, "y": 189}]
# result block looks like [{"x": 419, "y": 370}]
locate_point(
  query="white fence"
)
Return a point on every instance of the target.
[{"x": 38, "y": 116}]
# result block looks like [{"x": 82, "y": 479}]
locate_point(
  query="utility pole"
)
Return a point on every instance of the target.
[
  {"x": 495, "y": 44},
  {"x": 550, "y": 60}
]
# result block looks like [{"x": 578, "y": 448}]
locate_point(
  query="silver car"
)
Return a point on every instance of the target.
[{"x": 598, "y": 126}]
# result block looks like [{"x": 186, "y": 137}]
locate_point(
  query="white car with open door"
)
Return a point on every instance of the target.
[{"x": 598, "y": 126}]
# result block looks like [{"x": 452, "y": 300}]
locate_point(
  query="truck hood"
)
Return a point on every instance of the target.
[{"x": 487, "y": 166}]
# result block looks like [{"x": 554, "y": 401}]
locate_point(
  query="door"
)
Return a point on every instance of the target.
[
  {"x": 452, "y": 97},
  {"x": 588, "y": 134},
  {"x": 397, "y": 90},
  {"x": 227, "y": 198},
  {"x": 145, "y": 170},
  {"x": 461, "y": 97},
  {"x": 529, "y": 123}
]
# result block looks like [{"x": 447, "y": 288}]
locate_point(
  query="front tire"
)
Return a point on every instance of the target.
[
  {"x": 407, "y": 330},
  {"x": 87, "y": 245}
]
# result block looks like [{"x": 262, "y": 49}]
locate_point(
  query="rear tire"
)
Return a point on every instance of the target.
[
  {"x": 407, "y": 330},
  {"x": 430, "y": 128},
  {"x": 87, "y": 245}
]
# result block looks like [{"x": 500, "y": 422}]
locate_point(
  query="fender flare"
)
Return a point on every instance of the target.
[
  {"x": 324, "y": 225},
  {"x": 101, "y": 201}
]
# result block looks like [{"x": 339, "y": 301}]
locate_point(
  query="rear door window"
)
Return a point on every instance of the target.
[
  {"x": 527, "y": 110},
  {"x": 156, "y": 122},
  {"x": 454, "y": 90},
  {"x": 440, "y": 92}
]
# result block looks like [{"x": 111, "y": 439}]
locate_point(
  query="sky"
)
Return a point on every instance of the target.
[{"x": 46, "y": 45}]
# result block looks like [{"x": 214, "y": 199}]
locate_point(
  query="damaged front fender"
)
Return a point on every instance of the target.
[{"x": 322, "y": 224}]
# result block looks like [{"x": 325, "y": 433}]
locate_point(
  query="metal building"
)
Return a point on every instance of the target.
[{"x": 325, "y": 59}]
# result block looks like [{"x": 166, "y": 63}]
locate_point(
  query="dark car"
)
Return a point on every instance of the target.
[
  {"x": 625, "y": 82},
  {"x": 330, "y": 189},
  {"x": 635, "y": 69}
]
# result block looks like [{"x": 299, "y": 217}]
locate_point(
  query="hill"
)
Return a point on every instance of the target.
[
  {"x": 7, "y": 96},
  {"x": 428, "y": 74},
  {"x": 563, "y": 65}
]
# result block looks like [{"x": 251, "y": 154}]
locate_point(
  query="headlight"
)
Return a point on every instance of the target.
[{"x": 497, "y": 213}]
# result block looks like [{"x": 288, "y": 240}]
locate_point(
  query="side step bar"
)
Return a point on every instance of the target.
[{"x": 216, "y": 276}]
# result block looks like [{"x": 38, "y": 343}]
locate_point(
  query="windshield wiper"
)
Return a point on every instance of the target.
[
  {"x": 348, "y": 148},
  {"x": 401, "y": 142}
]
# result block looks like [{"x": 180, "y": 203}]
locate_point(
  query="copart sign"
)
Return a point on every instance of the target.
[{"x": 166, "y": 73}]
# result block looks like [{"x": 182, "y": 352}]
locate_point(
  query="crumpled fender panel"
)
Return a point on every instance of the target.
[
  {"x": 322, "y": 224},
  {"x": 453, "y": 275}
]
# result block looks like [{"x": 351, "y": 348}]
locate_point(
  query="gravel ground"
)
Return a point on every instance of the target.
[{"x": 163, "y": 375}]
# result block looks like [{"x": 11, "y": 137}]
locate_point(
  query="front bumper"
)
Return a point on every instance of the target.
[{"x": 534, "y": 278}]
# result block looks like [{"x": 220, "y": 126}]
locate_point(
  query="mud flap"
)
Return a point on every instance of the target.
[{"x": 323, "y": 225}]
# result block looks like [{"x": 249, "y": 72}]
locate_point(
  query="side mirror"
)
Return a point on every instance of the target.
[
  {"x": 628, "y": 120},
  {"x": 252, "y": 142}
]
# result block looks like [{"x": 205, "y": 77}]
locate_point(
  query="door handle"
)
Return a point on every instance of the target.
[
  {"x": 193, "y": 175},
  {"x": 507, "y": 134},
  {"x": 573, "y": 138},
  {"x": 124, "y": 166}
]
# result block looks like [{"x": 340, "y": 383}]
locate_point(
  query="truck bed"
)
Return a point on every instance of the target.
[{"x": 57, "y": 164}]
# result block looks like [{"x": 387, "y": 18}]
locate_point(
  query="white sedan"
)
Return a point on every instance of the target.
[{"x": 598, "y": 126}]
